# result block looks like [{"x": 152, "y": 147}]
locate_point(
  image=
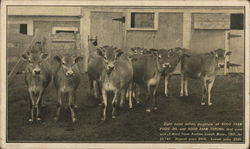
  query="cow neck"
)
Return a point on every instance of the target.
[{"x": 158, "y": 65}]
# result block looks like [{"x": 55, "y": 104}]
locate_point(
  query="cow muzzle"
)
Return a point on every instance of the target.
[
  {"x": 69, "y": 73},
  {"x": 110, "y": 68},
  {"x": 36, "y": 71},
  {"x": 166, "y": 65}
]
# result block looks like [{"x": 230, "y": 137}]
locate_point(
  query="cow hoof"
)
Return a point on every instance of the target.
[
  {"x": 55, "y": 119},
  {"x": 181, "y": 94},
  {"x": 113, "y": 116},
  {"x": 155, "y": 108},
  {"x": 30, "y": 120},
  {"x": 203, "y": 103},
  {"x": 209, "y": 104},
  {"x": 138, "y": 102},
  {"x": 75, "y": 106},
  {"x": 102, "y": 119},
  {"x": 74, "y": 120},
  {"x": 148, "y": 110},
  {"x": 38, "y": 119},
  {"x": 130, "y": 106}
]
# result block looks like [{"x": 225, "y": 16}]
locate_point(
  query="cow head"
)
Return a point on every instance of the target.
[
  {"x": 110, "y": 56},
  {"x": 220, "y": 55},
  {"x": 138, "y": 50},
  {"x": 164, "y": 58},
  {"x": 68, "y": 62},
  {"x": 35, "y": 60}
]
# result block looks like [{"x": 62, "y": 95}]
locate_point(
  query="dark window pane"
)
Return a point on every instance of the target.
[
  {"x": 237, "y": 21},
  {"x": 142, "y": 20},
  {"x": 62, "y": 31},
  {"x": 23, "y": 29}
]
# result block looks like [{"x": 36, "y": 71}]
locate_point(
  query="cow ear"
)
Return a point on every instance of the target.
[
  {"x": 154, "y": 52},
  {"x": 57, "y": 58},
  {"x": 78, "y": 58},
  {"x": 25, "y": 56},
  {"x": 228, "y": 53},
  {"x": 44, "y": 56},
  {"x": 100, "y": 52},
  {"x": 119, "y": 52},
  {"x": 214, "y": 53}
]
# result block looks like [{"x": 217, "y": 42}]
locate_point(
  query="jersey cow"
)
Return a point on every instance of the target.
[
  {"x": 202, "y": 66},
  {"x": 115, "y": 77},
  {"x": 67, "y": 80},
  {"x": 147, "y": 71},
  {"x": 37, "y": 77},
  {"x": 172, "y": 57}
]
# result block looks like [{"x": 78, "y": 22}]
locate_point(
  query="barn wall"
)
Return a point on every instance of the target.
[
  {"x": 204, "y": 40},
  {"x": 168, "y": 35},
  {"x": 17, "y": 42},
  {"x": 108, "y": 32}
]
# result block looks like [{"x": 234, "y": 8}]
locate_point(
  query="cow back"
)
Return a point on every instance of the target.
[{"x": 199, "y": 65}]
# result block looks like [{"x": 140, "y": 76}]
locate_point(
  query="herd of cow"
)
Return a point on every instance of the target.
[{"x": 114, "y": 70}]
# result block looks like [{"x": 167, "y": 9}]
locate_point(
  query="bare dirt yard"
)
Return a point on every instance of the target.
[{"x": 131, "y": 124}]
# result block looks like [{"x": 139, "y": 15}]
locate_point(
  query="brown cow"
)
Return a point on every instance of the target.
[
  {"x": 147, "y": 71},
  {"x": 172, "y": 57},
  {"x": 37, "y": 77},
  {"x": 202, "y": 66},
  {"x": 116, "y": 76},
  {"x": 67, "y": 80}
]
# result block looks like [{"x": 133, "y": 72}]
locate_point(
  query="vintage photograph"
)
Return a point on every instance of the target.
[{"x": 126, "y": 74}]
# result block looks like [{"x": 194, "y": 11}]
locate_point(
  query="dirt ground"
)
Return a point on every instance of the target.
[{"x": 131, "y": 124}]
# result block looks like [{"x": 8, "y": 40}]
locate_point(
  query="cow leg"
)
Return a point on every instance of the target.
[
  {"x": 209, "y": 87},
  {"x": 59, "y": 106},
  {"x": 130, "y": 95},
  {"x": 186, "y": 86},
  {"x": 95, "y": 89},
  {"x": 98, "y": 87},
  {"x": 154, "y": 97},
  {"x": 204, "y": 91},
  {"x": 71, "y": 106},
  {"x": 38, "y": 103},
  {"x": 104, "y": 104},
  {"x": 182, "y": 83},
  {"x": 166, "y": 84},
  {"x": 114, "y": 102},
  {"x": 32, "y": 106},
  {"x": 136, "y": 93},
  {"x": 149, "y": 98}
]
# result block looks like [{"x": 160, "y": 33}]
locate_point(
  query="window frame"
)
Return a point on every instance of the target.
[
  {"x": 55, "y": 29},
  {"x": 156, "y": 17},
  {"x": 237, "y": 28}
]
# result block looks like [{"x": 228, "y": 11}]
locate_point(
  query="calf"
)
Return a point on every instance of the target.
[
  {"x": 116, "y": 76},
  {"x": 37, "y": 77},
  {"x": 202, "y": 66},
  {"x": 147, "y": 71},
  {"x": 67, "y": 80},
  {"x": 171, "y": 57}
]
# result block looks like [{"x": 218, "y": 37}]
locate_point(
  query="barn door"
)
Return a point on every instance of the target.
[
  {"x": 107, "y": 29},
  {"x": 236, "y": 46}
]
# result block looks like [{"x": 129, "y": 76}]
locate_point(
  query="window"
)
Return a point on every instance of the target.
[
  {"x": 143, "y": 21},
  {"x": 64, "y": 30},
  {"x": 23, "y": 29},
  {"x": 237, "y": 21}
]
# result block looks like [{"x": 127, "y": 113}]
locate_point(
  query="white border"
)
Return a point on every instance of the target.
[{"x": 118, "y": 145}]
